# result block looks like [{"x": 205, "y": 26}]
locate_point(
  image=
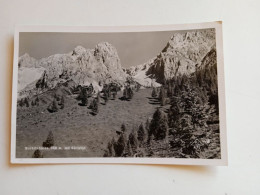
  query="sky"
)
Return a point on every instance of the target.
[{"x": 133, "y": 48}]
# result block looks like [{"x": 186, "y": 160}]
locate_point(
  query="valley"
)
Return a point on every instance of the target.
[{"x": 165, "y": 107}]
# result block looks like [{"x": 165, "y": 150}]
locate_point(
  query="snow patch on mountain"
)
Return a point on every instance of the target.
[
  {"x": 83, "y": 66},
  {"x": 28, "y": 75}
]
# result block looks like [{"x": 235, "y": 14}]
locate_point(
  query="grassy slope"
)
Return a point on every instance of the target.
[{"x": 75, "y": 126}]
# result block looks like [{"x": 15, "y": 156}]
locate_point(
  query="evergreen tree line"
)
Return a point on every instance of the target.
[
  {"x": 128, "y": 93},
  {"x": 138, "y": 142},
  {"x": 128, "y": 145},
  {"x": 194, "y": 102},
  {"x": 25, "y": 102},
  {"x": 56, "y": 104},
  {"x": 184, "y": 130}
]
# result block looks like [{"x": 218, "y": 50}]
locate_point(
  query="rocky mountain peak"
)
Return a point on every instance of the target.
[
  {"x": 83, "y": 66},
  {"x": 79, "y": 50},
  {"x": 26, "y": 61},
  {"x": 105, "y": 51},
  {"x": 182, "y": 54}
]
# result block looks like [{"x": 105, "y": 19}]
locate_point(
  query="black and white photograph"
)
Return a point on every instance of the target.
[{"x": 141, "y": 95}]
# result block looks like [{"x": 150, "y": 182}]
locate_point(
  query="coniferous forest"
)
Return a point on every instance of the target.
[
  {"x": 84, "y": 104},
  {"x": 187, "y": 128}
]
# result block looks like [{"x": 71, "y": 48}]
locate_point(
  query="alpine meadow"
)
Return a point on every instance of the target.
[{"x": 87, "y": 103}]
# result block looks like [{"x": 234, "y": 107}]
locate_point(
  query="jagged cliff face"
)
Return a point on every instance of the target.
[
  {"x": 83, "y": 66},
  {"x": 182, "y": 55},
  {"x": 210, "y": 59}
]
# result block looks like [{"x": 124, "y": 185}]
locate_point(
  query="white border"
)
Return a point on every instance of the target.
[{"x": 97, "y": 29}]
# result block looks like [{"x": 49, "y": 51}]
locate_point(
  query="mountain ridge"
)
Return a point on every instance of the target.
[
  {"x": 183, "y": 54},
  {"x": 83, "y": 66}
]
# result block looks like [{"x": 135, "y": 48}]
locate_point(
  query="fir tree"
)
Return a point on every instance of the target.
[
  {"x": 53, "y": 106},
  {"x": 147, "y": 125},
  {"x": 37, "y": 154},
  {"x": 159, "y": 125},
  {"x": 110, "y": 152},
  {"x": 128, "y": 149},
  {"x": 169, "y": 89},
  {"x": 62, "y": 101},
  {"x": 123, "y": 127},
  {"x": 95, "y": 106},
  {"x": 130, "y": 93},
  {"x": 162, "y": 96},
  {"x": 57, "y": 97},
  {"x": 21, "y": 103},
  {"x": 37, "y": 101},
  {"x": 49, "y": 141},
  {"x": 26, "y": 102},
  {"x": 138, "y": 87},
  {"x": 154, "y": 94},
  {"x": 119, "y": 146},
  {"x": 106, "y": 97},
  {"x": 125, "y": 94},
  {"x": 114, "y": 95},
  {"x": 84, "y": 97},
  {"x": 98, "y": 98},
  {"x": 133, "y": 140},
  {"x": 141, "y": 133},
  {"x": 187, "y": 114}
]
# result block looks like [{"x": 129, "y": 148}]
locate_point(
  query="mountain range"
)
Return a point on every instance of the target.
[{"x": 183, "y": 54}]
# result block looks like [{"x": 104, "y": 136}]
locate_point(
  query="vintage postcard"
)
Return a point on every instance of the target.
[{"x": 132, "y": 94}]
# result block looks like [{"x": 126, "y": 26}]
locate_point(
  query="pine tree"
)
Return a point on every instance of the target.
[
  {"x": 53, "y": 106},
  {"x": 84, "y": 97},
  {"x": 159, "y": 125},
  {"x": 95, "y": 106},
  {"x": 128, "y": 149},
  {"x": 141, "y": 133},
  {"x": 37, "y": 154},
  {"x": 62, "y": 101},
  {"x": 49, "y": 141},
  {"x": 37, "y": 101},
  {"x": 21, "y": 103},
  {"x": 170, "y": 89},
  {"x": 110, "y": 149},
  {"x": 106, "y": 97},
  {"x": 114, "y": 95},
  {"x": 57, "y": 97},
  {"x": 189, "y": 113},
  {"x": 138, "y": 87},
  {"x": 162, "y": 96},
  {"x": 133, "y": 140},
  {"x": 147, "y": 125},
  {"x": 26, "y": 102},
  {"x": 154, "y": 94},
  {"x": 98, "y": 98},
  {"x": 175, "y": 111},
  {"x": 123, "y": 127},
  {"x": 125, "y": 93},
  {"x": 119, "y": 146},
  {"x": 130, "y": 93}
]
